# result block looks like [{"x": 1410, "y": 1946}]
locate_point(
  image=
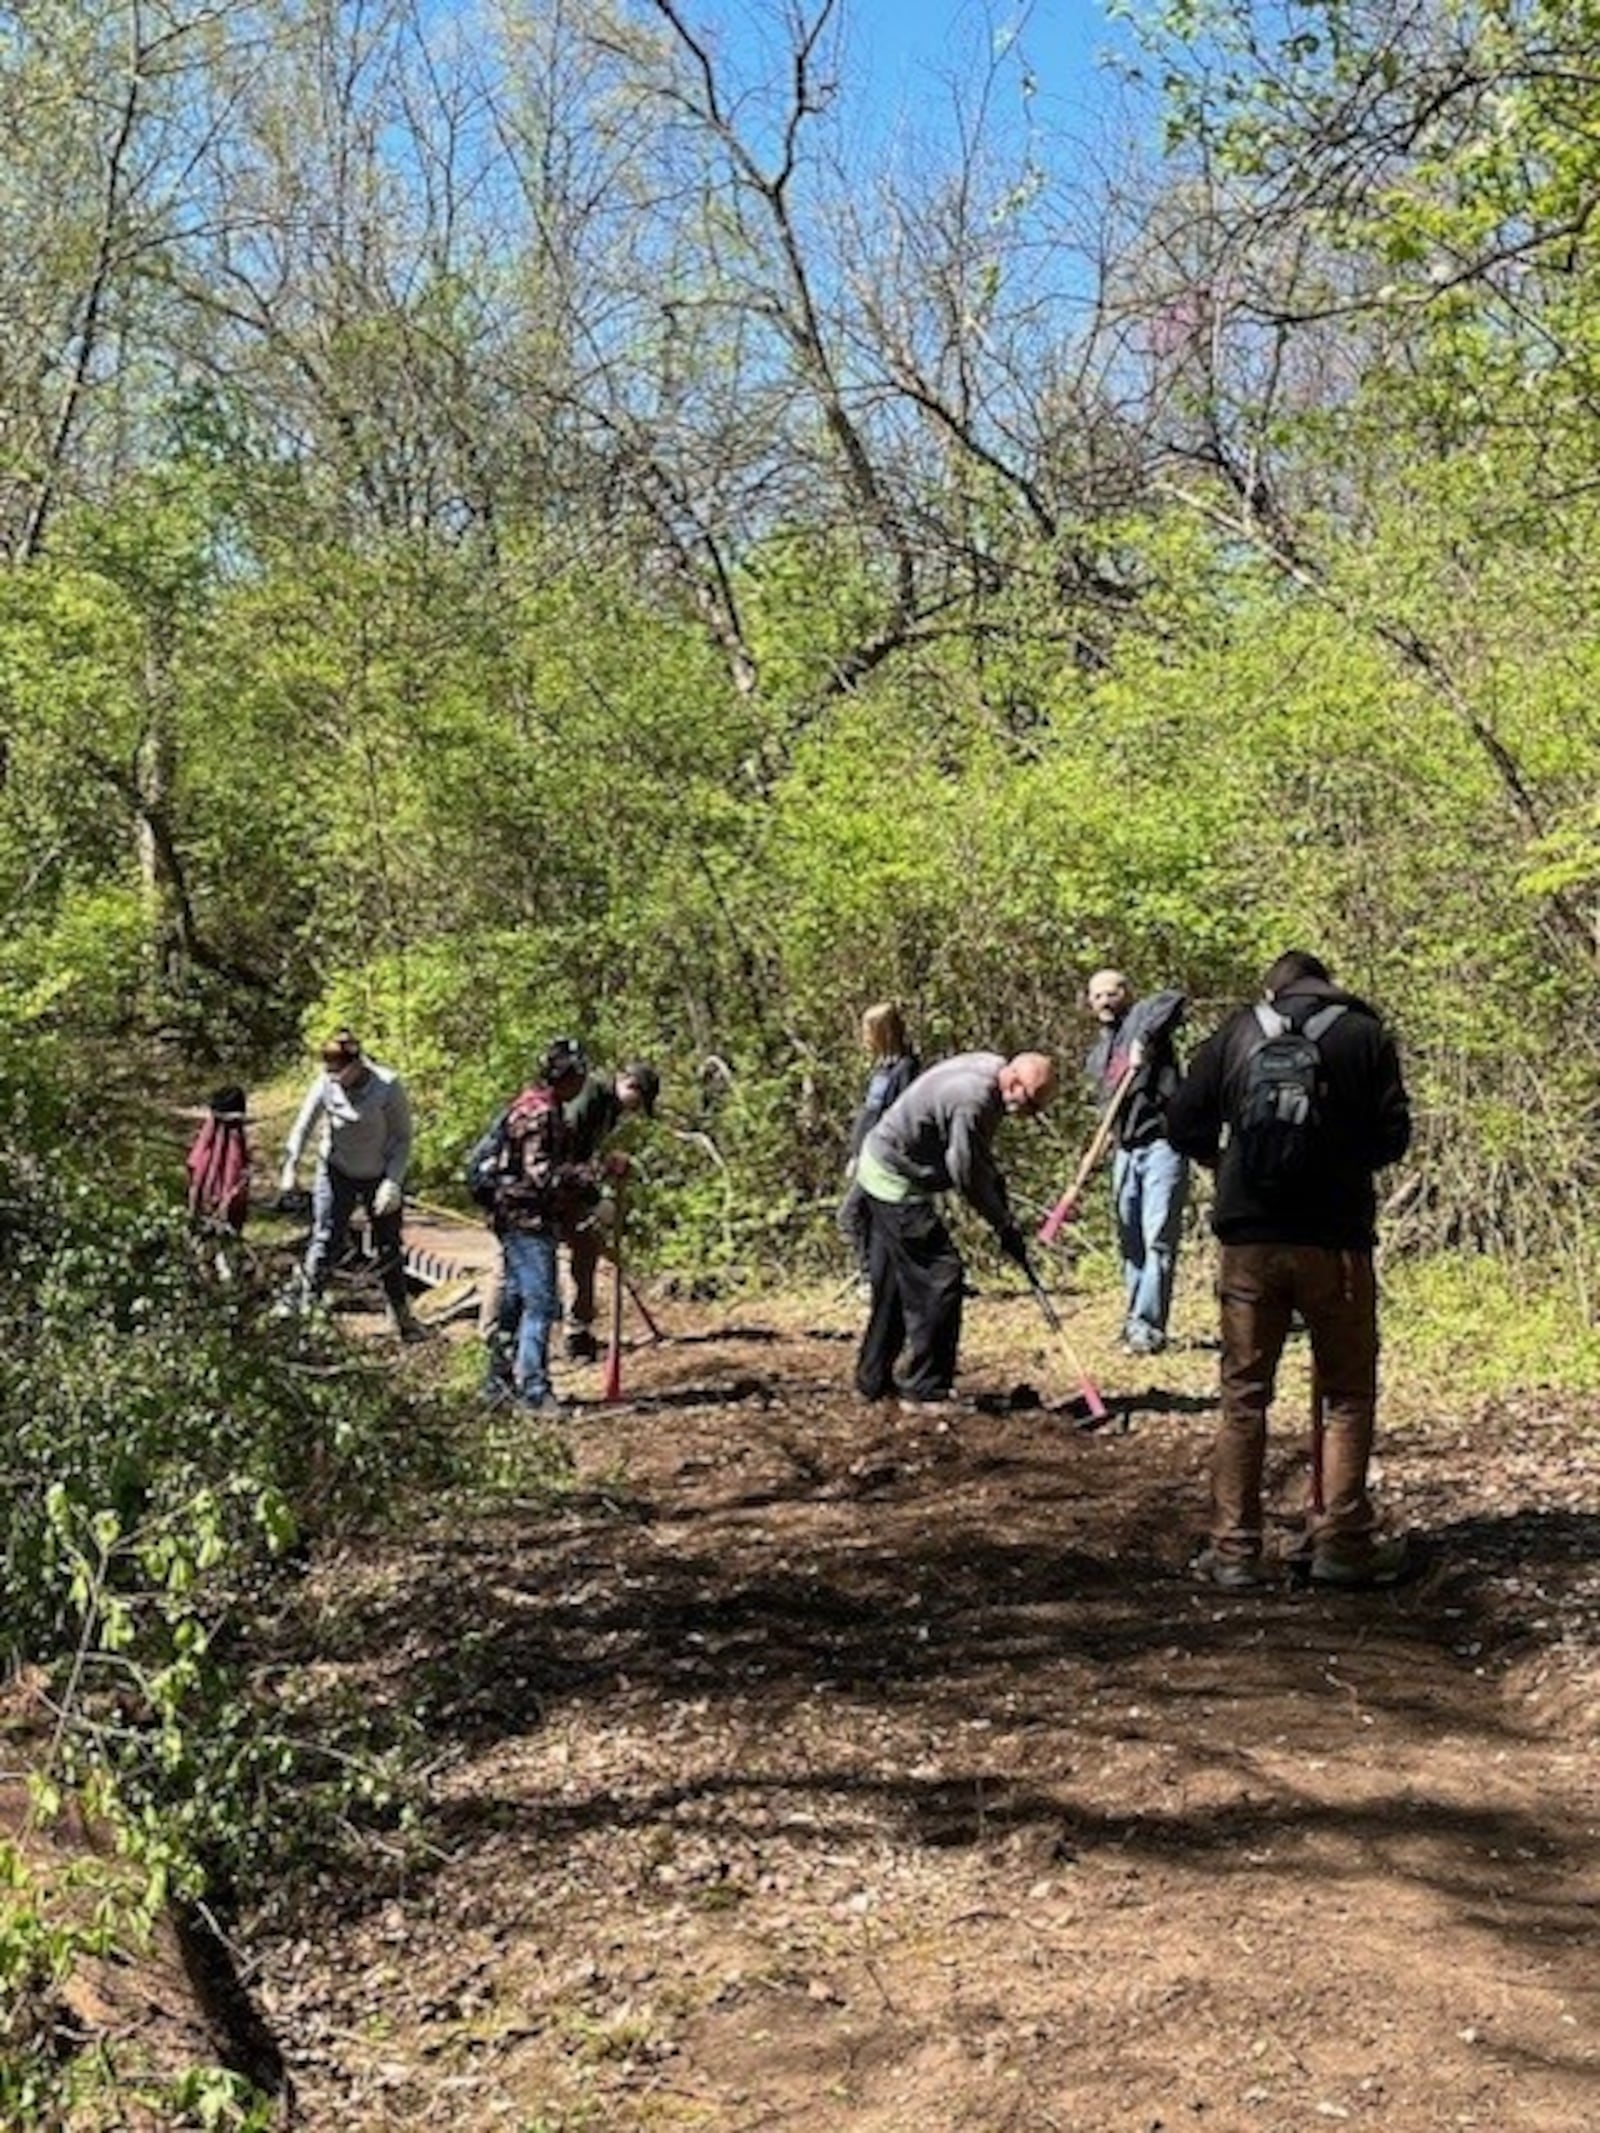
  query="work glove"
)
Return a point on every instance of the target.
[
  {"x": 286, "y": 1177},
  {"x": 386, "y": 1200},
  {"x": 616, "y": 1164},
  {"x": 1012, "y": 1246}
]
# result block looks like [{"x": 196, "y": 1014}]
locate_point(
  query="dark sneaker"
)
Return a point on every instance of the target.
[
  {"x": 916, "y": 1403},
  {"x": 1142, "y": 1340},
  {"x": 1385, "y": 1562},
  {"x": 544, "y": 1405},
  {"x": 1233, "y": 1573},
  {"x": 582, "y": 1347}
]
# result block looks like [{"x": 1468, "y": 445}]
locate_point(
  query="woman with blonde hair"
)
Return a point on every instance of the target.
[{"x": 895, "y": 1066}]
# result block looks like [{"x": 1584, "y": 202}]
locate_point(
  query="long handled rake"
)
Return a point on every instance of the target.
[{"x": 1088, "y": 1389}]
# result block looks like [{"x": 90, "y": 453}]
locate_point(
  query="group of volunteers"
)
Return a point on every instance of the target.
[
  {"x": 1295, "y": 1102},
  {"x": 540, "y": 1173}
]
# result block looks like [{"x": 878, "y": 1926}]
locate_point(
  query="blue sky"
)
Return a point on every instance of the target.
[{"x": 909, "y": 47}]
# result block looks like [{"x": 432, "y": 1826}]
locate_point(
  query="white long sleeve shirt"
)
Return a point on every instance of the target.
[{"x": 366, "y": 1131}]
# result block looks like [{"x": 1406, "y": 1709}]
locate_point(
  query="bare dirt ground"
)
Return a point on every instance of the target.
[{"x": 810, "y": 1765}]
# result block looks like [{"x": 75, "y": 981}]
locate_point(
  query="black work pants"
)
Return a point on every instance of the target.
[{"x": 916, "y": 1275}]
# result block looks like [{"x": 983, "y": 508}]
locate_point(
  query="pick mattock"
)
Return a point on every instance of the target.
[
  {"x": 651, "y": 1324},
  {"x": 1087, "y": 1387},
  {"x": 1067, "y": 1206}
]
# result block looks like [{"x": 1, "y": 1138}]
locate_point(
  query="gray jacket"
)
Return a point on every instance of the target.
[
  {"x": 366, "y": 1131},
  {"x": 938, "y": 1136}
]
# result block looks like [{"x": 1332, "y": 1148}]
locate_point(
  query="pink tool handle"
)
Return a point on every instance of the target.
[{"x": 1054, "y": 1222}]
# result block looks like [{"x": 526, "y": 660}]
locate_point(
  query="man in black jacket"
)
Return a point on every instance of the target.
[
  {"x": 1297, "y": 1236},
  {"x": 1132, "y": 1065}
]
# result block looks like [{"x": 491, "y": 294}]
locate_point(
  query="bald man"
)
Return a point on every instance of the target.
[
  {"x": 1149, "y": 1179},
  {"x": 936, "y": 1138}
]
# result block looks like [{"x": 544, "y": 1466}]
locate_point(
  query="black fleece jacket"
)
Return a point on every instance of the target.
[{"x": 1366, "y": 1125}]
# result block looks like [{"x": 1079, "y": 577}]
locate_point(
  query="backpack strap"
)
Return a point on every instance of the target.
[{"x": 1317, "y": 1026}]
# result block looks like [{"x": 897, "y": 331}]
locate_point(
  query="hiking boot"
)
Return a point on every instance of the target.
[
  {"x": 1382, "y": 1562},
  {"x": 404, "y": 1324},
  {"x": 582, "y": 1347},
  {"x": 1233, "y": 1573}
]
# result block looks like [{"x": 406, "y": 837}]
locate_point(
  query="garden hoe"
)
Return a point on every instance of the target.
[{"x": 1067, "y": 1206}]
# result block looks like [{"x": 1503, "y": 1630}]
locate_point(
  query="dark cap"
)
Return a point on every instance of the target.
[
  {"x": 646, "y": 1080},
  {"x": 565, "y": 1060},
  {"x": 228, "y": 1103}
]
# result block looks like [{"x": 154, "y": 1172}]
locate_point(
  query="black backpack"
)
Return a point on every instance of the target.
[
  {"x": 1279, "y": 1117},
  {"x": 486, "y": 1164}
]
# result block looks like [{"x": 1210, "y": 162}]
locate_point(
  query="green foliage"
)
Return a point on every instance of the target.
[
  {"x": 1489, "y": 1328},
  {"x": 214, "y": 2100},
  {"x": 381, "y": 696},
  {"x": 170, "y": 1445}
]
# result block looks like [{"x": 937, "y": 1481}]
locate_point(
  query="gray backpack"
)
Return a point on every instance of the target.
[{"x": 1280, "y": 1117}]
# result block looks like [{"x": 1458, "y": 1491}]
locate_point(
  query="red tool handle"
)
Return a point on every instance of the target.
[{"x": 1064, "y": 1210}]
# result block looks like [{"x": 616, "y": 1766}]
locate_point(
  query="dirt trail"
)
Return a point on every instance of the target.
[{"x": 814, "y": 1767}]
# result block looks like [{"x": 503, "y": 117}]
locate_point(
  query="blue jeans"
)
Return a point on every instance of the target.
[
  {"x": 1149, "y": 1187},
  {"x": 531, "y": 1301}
]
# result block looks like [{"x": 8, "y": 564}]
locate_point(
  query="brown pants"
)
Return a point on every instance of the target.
[
  {"x": 583, "y": 1258},
  {"x": 1261, "y": 1286}
]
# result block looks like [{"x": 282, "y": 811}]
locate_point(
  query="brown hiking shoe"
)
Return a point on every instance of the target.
[
  {"x": 1381, "y": 1562},
  {"x": 1233, "y": 1573}
]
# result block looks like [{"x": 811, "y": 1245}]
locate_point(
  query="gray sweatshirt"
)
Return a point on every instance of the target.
[
  {"x": 937, "y": 1137},
  {"x": 366, "y": 1131}
]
